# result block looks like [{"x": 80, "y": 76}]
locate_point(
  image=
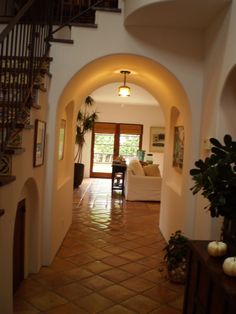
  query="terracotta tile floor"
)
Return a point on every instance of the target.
[{"x": 109, "y": 262}]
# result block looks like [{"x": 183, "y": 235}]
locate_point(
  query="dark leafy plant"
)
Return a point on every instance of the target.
[
  {"x": 176, "y": 250},
  {"x": 85, "y": 121},
  {"x": 215, "y": 177}
]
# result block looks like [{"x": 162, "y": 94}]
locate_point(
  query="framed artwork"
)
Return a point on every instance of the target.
[
  {"x": 62, "y": 132},
  {"x": 157, "y": 139},
  {"x": 39, "y": 142},
  {"x": 178, "y": 149}
]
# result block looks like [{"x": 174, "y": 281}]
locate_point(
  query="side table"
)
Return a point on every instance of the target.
[
  {"x": 118, "y": 177},
  {"x": 208, "y": 289}
]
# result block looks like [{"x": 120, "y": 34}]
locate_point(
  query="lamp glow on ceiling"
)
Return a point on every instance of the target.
[{"x": 124, "y": 90}]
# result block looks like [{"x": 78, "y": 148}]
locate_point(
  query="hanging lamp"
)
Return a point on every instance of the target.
[{"x": 124, "y": 90}]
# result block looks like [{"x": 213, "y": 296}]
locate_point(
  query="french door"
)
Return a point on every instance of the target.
[{"x": 110, "y": 140}]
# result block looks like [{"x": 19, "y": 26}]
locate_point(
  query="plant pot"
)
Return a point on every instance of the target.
[
  {"x": 179, "y": 273},
  {"x": 229, "y": 234},
  {"x": 78, "y": 174}
]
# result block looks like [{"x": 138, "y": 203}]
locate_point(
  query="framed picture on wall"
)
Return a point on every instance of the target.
[
  {"x": 62, "y": 132},
  {"x": 157, "y": 139},
  {"x": 39, "y": 143},
  {"x": 178, "y": 149}
]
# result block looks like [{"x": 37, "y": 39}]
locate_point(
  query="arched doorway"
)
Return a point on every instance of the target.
[
  {"x": 26, "y": 240},
  {"x": 167, "y": 90},
  {"x": 227, "y": 109}
]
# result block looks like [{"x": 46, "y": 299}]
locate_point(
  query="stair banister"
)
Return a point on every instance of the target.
[{"x": 15, "y": 20}]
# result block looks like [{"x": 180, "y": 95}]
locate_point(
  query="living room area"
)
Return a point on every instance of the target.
[{"x": 137, "y": 116}]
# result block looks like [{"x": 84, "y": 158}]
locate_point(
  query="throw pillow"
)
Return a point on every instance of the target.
[
  {"x": 136, "y": 167},
  {"x": 152, "y": 170}
]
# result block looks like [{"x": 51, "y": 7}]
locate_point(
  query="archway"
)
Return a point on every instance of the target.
[
  {"x": 153, "y": 77},
  {"x": 227, "y": 109},
  {"x": 167, "y": 90},
  {"x": 33, "y": 223}
]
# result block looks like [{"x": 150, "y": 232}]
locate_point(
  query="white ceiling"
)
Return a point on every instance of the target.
[
  {"x": 109, "y": 94},
  {"x": 195, "y": 14}
]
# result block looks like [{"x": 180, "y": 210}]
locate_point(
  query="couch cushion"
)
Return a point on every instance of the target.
[
  {"x": 152, "y": 170},
  {"x": 136, "y": 167}
]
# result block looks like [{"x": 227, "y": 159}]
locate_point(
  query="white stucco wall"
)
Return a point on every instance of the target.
[{"x": 220, "y": 51}]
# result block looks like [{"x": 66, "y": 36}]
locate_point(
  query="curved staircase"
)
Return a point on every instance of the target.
[{"x": 28, "y": 27}]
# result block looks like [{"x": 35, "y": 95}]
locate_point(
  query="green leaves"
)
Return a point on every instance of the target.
[
  {"x": 215, "y": 177},
  {"x": 85, "y": 121},
  {"x": 176, "y": 250},
  {"x": 215, "y": 142}
]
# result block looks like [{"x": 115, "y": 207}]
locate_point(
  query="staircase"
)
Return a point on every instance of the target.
[{"x": 28, "y": 27}]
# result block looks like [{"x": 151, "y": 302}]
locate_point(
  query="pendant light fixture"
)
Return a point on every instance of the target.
[{"x": 124, "y": 90}]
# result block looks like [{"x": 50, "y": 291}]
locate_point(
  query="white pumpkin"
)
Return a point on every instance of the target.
[
  {"x": 229, "y": 266},
  {"x": 217, "y": 248}
]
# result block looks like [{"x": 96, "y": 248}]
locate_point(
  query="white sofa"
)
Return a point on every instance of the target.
[{"x": 142, "y": 187}]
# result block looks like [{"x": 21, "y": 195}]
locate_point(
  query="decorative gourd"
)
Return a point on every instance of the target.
[
  {"x": 217, "y": 248},
  {"x": 229, "y": 266}
]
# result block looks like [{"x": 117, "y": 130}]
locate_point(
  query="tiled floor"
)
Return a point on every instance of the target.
[{"x": 110, "y": 261}]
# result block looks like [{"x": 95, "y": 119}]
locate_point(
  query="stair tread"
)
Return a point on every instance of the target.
[
  {"x": 14, "y": 151},
  {"x": 79, "y": 24},
  {"x": 115, "y": 10},
  {"x": 64, "y": 41},
  {"x": 18, "y": 85},
  {"x": 16, "y": 125},
  {"x": 4, "y": 180},
  {"x": 25, "y": 58}
]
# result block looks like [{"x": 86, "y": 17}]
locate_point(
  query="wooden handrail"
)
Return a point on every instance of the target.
[
  {"x": 15, "y": 20},
  {"x": 90, "y": 6}
]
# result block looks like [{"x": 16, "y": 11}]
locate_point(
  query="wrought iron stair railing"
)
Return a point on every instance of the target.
[
  {"x": 23, "y": 51},
  {"x": 26, "y": 30}
]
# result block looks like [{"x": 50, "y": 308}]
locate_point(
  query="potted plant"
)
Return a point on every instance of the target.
[
  {"x": 215, "y": 178},
  {"x": 175, "y": 257},
  {"x": 85, "y": 121}
]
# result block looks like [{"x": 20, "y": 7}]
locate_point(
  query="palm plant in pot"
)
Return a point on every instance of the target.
[
  {"x": 85, "y": 121},
  {"x": 215, "y": 178}
]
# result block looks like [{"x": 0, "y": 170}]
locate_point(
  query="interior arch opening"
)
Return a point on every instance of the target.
[
  {"x": 168, "y": 92},
  {"x": 140, "y": 108},
  {"x": 227, "y": 110},
  {"x": 27, "y": 249}
]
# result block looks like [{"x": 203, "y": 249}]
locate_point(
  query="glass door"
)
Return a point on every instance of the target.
[
  {"x": 103, "y": 153},
  {"x": 110, "y": 140},
  {"x": 128, "y": 145},
  {"x": 102, "y": 149}
]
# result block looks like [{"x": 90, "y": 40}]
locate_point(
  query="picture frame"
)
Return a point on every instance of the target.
[
  {"x": 62, "y": 132},
  {"x": 39, "y": 143},
  {"x": 157, "y": 139},
  {"x": 178, "y": 148}
]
